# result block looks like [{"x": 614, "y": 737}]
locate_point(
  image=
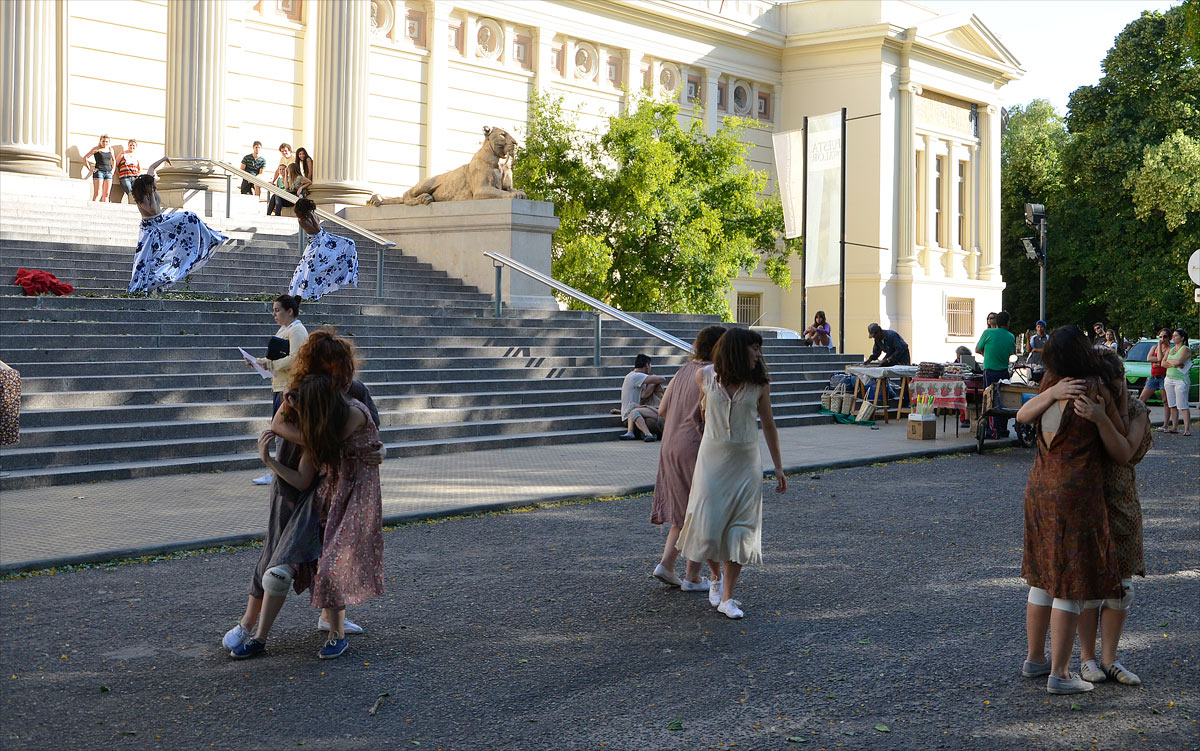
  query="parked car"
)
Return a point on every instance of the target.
[{"x": 1137, "y": 368}]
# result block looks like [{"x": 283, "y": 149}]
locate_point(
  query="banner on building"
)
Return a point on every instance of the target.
[
  {"x": 789, "y": 171},
  {"x": 823, "y": 202}
]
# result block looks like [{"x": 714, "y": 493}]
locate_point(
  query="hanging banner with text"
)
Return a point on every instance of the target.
[
  {"x": 823, "y": 209},
  {"x": 789, "y": 166}
]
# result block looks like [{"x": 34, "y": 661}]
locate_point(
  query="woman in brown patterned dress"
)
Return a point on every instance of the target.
[
  {"x": 1125, "y": 449},
  {"x": 683, "y": 426},
  {"x": 1069, "y": 558}
]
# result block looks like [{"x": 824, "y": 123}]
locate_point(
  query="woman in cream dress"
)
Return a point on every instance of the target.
[{"x": 724, "y": 512}]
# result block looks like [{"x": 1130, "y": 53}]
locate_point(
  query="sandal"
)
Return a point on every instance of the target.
[{"x": 1164, "y": 430}]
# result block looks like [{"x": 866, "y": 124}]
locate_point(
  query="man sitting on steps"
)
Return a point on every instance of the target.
[{"x": 640, "y": 395}]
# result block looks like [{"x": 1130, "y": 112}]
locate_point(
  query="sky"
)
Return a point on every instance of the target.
[{"x": 1060, "y": 43}]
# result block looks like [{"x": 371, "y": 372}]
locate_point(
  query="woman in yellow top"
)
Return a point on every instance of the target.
[{"x": 286, "y": 311}]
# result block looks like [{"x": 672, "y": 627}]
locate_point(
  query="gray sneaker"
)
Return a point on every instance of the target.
[
  {"x": 1035, "y": 669},
  {"x": 690, "y": 586},
  {"x": 1072, "y": 685}
]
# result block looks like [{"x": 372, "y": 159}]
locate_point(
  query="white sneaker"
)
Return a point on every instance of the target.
[
  {"x": 666, "y": 575},
  {"x": 348, "y": 626},
  {"x": 264, "y": 480},
  {"x": 730, "y": 609},
  {"x": 236, "y": 636},
  {"x": 1122, "y": 674},
  {"x": 690, "y": 586},
  {"x": 1091, "y": 672},
  {"x": 714, "y": 593}
]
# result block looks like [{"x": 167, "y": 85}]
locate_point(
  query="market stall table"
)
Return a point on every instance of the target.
[
  {"x": 864, "y": 374},
  {"x": 947, "y": 393}
]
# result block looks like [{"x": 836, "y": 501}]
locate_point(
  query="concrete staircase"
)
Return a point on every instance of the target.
[{"x": 117, "y": 386}]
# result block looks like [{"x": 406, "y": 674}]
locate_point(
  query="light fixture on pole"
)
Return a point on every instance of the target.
[{"x": 1035, "y": 249}]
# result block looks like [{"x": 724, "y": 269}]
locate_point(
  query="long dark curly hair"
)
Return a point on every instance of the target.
[
  {"x": 708, "y": 337},
  {"x": 321, "y": 414},
  {"x": 731, "y": 358},
  {"x": 327, "y": 353},
  {"x": 1068, "y": 354}
]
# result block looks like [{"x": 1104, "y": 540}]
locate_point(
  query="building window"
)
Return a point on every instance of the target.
[
  {"x": 749, "y": 307},
  {"x": 521, "y": 51},
  {"x": 721, "y": 98},
  {"x": 960, "y": 317},
  {"x": 414, "y": 27},
  {"x": 693, "y": 89},
  {"x": 455, "y": 36},
  {"x": 962, "y": 204},
  {"x": 614, "y": 70},
  {"x": 921, "y": 222},
  {"x": 556, "y": 58},
  {"x": 764, "y": 106},
  {"x": 939, "y": 235}
]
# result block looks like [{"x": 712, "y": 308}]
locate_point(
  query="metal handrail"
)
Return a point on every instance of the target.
[
  {"x": 499, "y": 261},
  {"x": 278, "y": 191}
]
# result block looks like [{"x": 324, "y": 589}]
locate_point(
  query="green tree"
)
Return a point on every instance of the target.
[
  {"x": 1168, "y": 180},
  {"x": 1031, "y": 171},
  {"x": 654, "y": 216},
  {"x": 1109, "y": 260}
]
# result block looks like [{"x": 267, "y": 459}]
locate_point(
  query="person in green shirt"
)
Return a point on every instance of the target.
[{"x": 996, "y": 345}]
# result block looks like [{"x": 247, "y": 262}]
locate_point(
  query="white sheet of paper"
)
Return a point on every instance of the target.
[{"x": 250, "y": 359}]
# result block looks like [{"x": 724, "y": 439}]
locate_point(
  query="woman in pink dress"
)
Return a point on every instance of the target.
[{"x": 682, "y": 430}]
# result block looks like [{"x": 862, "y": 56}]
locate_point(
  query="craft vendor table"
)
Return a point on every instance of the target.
[
  {"x": 864, "y": 374},
  {"x": 947, "y": 393}
]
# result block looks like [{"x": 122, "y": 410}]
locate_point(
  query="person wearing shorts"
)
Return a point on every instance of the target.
[
  {"x": 1178, "y": 360},
  {"x": 102, "y": 169},
  {"x": 1158, "y": 373}
]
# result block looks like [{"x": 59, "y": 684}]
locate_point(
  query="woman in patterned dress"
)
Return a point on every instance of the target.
[
  {"x": 170, "y": 246},
  {"x": 683, "y": 427},
  {"x": 329, "y": 261},
  {"x": 724, "y": 512},
  {"x": 339, "y": 433},
  {"x": 1069, "y": 559},
  {"x": 1125, "y": 449}
]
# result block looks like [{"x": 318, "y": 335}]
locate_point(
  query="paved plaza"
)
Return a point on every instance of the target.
[
  {"x": 888, "y": 615},
  {"x": 104, "y": 520}
]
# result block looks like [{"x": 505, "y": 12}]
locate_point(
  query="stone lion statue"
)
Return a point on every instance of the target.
[{"x": 487, "y": 175}]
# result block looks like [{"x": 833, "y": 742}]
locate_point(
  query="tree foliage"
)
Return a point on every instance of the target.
[
  {"x": 654, "y": 216},
  {"x": 1128, "y": 160},
  {"x": 1031, "y": 172}
]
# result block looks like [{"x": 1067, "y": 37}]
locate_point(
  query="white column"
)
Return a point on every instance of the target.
[
  {"x": 633, "y": 77},
  {"x": 953, "y": 249},
  {"x": 543, "y": 63},
  {"x": 197, "y": 40},
  {"x": 436, "y": 67},
  {"x": 308, "y": 84},
  {"x": 712, "y": 82},
  {"x": 340, "y": 152},
  {"x": 989, "y": 201},
  {"x": 973, "y": 232},
  {"x": 931, "y": 197},
  {"x": 29, "y": 87},
  {"x": 907, "y": 261}
]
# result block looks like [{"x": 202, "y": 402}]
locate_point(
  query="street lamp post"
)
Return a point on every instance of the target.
[{"x": 1035, "y": 216}]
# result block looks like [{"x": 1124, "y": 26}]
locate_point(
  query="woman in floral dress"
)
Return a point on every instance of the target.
[
  {"x": 1125, "y": 449},
  {"x": 170, "y": 246},
  {"x": 329, "y": 261},
  {"x": 1069, "y": 559}
]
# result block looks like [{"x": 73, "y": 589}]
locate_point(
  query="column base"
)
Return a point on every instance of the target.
[
  {"x": 353, "y": 194},
  {"x": 28, "y": 162}
]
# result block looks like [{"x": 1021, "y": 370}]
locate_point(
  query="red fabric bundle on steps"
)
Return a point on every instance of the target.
[{"x": 38, "y": 282}]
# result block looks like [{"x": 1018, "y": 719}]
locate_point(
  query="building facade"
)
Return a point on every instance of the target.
[{"x": 383, "y": 93}]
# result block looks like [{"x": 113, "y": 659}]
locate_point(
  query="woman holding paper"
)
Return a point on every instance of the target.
[{"x": 286, "y": 311}]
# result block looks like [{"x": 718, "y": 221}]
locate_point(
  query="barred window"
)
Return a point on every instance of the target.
[
  {"x": 960, "y": 317},
  {"x": 749, "y": 308}
]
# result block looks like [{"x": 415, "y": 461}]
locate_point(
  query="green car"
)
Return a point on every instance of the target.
[{"x": 1137, "y": 369}]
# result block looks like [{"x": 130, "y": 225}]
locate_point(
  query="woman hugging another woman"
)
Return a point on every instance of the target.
[{"x": 326, "y": 510}]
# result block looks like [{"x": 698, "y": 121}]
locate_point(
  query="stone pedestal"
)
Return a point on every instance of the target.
[
  {"x": 197, "y": 37},
  {"x": 28, "y": 86},
  {"x": 453, "y": 237}
]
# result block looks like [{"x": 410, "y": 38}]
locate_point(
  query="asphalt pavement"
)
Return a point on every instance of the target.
[{"x": 888, "y": 615}]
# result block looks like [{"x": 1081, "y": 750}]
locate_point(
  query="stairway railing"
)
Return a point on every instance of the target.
[{"x": 598, "y": 308}]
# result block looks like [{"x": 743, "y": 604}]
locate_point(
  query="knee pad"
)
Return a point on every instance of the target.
[
  {"x": 1124, "y": 602},
  {"x": 1040, "y": 597},
  {"x": 277, "y": 580}
]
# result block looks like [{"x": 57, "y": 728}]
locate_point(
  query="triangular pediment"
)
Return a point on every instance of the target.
[{"x": 967, "y": 33}]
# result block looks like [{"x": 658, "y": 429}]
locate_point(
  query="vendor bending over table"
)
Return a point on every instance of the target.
[{"x": 890, "y": 345}]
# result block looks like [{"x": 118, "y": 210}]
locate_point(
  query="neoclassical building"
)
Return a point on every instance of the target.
[{"x": 385, "y": 92}]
